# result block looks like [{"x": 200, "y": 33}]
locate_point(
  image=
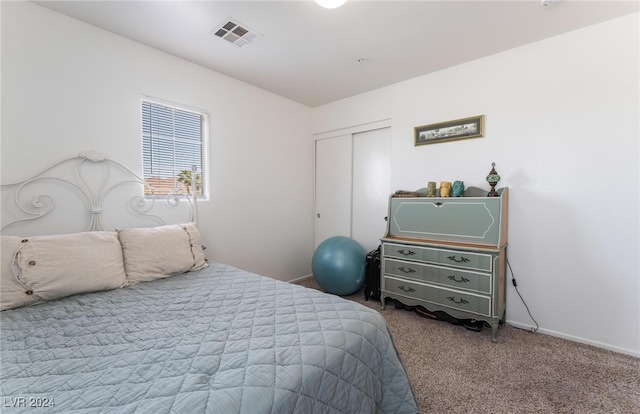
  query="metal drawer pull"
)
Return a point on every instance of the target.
[
  {"x": 462, "y": 259},
  {"x": 462, "y": 279},
  {"x": 407, "y": 253},
  {"x": 406, "y": 289},
  {"x": 409, "y": 270},
  {"x": 461, "y": 301}
]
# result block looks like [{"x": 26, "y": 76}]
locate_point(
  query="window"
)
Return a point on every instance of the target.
[{"x": 172, "y": 143}]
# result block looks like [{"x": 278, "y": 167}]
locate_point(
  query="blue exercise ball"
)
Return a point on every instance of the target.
[{"x": 338, "y": 265}]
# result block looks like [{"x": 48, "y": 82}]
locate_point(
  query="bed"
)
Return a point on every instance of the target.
[{"x": 136, "y": 319}]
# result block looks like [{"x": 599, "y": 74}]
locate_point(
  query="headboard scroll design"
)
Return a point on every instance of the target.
[{"x": 94, "y": 177}]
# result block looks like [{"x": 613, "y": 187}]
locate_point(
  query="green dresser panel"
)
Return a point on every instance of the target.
[
  {"x": 411, "y": 290},
  {"x": 479, "y": 305},
  {"x": 448, "y": 257},
  {"x": 445, "y": 276},
  {"x": 457, "y": 219}
]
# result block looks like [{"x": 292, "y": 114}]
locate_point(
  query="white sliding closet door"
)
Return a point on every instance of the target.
[
  {"x": 333, "y": 188},
  {"x": 371, "y": 186},
  {"x": 353, "y": 180}
]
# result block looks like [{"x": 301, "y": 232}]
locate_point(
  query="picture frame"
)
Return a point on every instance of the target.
[{"x": 464, "y": 128}]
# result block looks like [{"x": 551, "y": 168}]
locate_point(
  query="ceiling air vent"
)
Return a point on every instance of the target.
[{"x": 236, "y": 33}]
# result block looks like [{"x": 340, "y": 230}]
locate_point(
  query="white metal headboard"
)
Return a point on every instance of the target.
[{"x": 93, "y": 178}]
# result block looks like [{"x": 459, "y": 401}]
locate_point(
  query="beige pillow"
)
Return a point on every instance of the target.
[
  {"x": 13, "y": 294},
  {"x": 56, "y": 266},
  {"x": 159, "y": 252}
]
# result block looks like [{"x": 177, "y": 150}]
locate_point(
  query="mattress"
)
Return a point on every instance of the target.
[{"x": 218, "y": 340}]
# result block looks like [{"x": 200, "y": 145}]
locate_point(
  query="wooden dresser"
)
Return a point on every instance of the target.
[{"x": 448, "y": 254}]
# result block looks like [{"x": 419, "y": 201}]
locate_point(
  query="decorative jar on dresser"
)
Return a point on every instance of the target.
[{"x": 448, "y": 254}]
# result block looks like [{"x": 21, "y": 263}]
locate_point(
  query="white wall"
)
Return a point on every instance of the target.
[
  {"x": 68, "y": 87},
  {"x": 562, "y": 126}
]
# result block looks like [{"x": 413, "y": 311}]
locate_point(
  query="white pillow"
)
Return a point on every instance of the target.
[
  {"x": 56, "y": 266},
  {"x": 159, "y": 252},
  {"x": 13, "y": 294}
]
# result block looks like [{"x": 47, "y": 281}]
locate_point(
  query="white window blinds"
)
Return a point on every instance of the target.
[{"x": 172, "y": 142}]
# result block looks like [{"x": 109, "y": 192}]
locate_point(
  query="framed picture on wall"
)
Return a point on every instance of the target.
[{"x": 464, "y": 128}]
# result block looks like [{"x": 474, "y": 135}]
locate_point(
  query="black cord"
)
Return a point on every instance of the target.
[{"x": 515, "y": 285}]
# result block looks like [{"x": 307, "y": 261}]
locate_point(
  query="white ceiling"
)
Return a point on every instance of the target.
[{"x": 310, "y": 54}]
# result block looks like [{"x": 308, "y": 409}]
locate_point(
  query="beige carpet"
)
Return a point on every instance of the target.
[{"x": 455, "y": 370}]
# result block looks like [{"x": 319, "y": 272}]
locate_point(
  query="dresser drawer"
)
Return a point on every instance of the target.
[
  {"x": 463, "y": 259},
  {"x": 446, "y": 276},
  {"x": 449, "y": 298},
  {"x": 404, "y": 251},
  {"x": 465, "y": 302},
  {"x": 410, "y": 289}
]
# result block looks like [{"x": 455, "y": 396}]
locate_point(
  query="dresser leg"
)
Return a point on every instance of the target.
[
  {"x": 494, "y": 331},
  {"x": 381, "y": 302}
]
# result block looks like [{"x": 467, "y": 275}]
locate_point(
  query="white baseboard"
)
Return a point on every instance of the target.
[
  {"x": 631, "y": 352},
  {"x": 299, "y": 279}
]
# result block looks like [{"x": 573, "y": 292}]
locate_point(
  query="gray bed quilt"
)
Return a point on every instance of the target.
[{"x": 220, "y": 340}]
